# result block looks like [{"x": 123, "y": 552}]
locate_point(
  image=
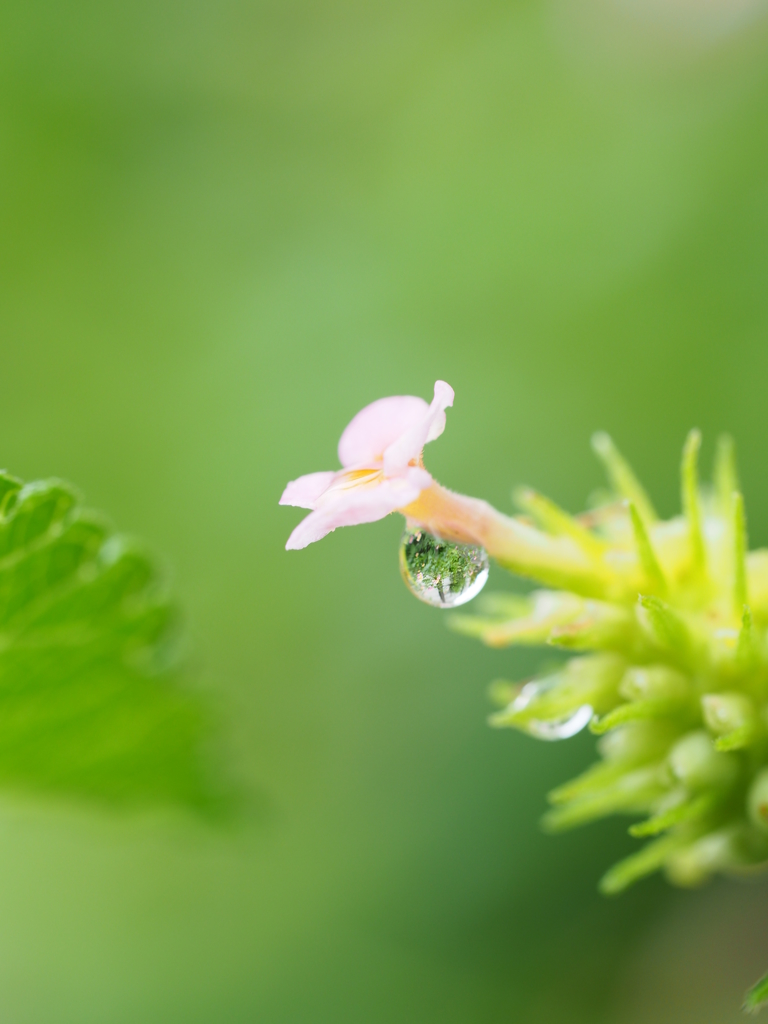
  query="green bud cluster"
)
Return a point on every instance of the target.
[{"x": 668, "y": 627}]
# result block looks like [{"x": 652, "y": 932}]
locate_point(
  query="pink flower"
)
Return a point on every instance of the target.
[{"x": 380, "y": 452}]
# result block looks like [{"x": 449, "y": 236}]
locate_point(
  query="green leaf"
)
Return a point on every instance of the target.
[{"x": 90, "y": 703}]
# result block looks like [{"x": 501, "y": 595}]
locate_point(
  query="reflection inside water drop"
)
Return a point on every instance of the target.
[{"x": 440, "y": 572}]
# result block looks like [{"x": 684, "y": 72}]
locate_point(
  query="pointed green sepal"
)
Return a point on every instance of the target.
[
  {"x": 725, "y": 475},
  {"x": 622, "y": 477},
  {"x": 648, "y": 560},
  {"x": 666, "y": 628},
  {"x": 638, "y": 865},
  {"x": 629, "y": 793},
  {"x": 740, "y": 738},
  {"x": 757, "y": 997},
  {"x": 521, "y": 620},
  {"x": 598, "y": 776},
  {"x": 688, "y": 810},
  {"x": 740, "y": 596},
  {"x": 657, "y": 707},
  {"x": 691, "y": 500},
  {"x": 747, "y": 648},
  {"x": 600, "y": 627},
  {"x": 9, "y": 488},
  {"x": 557, "y": 521}
]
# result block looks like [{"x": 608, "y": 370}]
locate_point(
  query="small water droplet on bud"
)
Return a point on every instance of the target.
[{"x": 560, "y": 728}]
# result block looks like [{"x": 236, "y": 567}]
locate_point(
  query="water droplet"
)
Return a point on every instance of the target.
[
  {"x": 561, "y": 728},
  {"x": 440, "y": 572}
]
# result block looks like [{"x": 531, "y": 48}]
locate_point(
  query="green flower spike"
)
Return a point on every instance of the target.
[{"x": 671, "y": 672}]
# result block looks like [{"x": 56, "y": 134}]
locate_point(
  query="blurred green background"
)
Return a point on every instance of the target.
[{"x": 225, "y": 228}]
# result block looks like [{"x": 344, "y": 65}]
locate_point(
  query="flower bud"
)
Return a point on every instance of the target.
[
  {"x": 726, "y": 712},
  {"x": 695, "y": 762},
  {"x": 653, "y": 682},
  {"x": 694, "y": 864},
  {"x": 757, "y": 800},
  {"x": 642, "y": 740}
]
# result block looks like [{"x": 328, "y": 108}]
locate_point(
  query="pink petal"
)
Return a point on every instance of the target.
[
  {"x": 407, "y": 448},
  {"x": 305, "y": 491},
  {"x": 376, "y": 426},
  {"x": 355, "y": 505},
  {"x": 313, "y": 527}
]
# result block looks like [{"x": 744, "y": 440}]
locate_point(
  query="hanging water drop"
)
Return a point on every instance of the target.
[
  {"x": 440, "y": 572},
  {"x": 560, "y": 728}
]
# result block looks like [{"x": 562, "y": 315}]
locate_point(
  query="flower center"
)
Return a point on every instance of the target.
[{"x": 353, "y": 479}]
